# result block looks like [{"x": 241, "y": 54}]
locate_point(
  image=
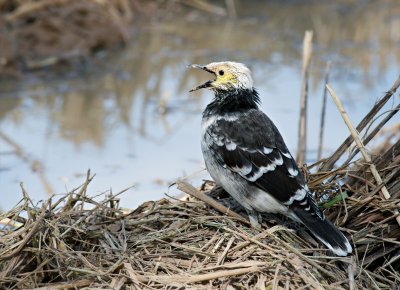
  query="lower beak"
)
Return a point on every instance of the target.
[
  {"x": 206, "y": 84},
  {"x": 203, "y": 86}
]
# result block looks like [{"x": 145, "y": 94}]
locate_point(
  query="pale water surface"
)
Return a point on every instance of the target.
[{"x": 130, "y": 118}]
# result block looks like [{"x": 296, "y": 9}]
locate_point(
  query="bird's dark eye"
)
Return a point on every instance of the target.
[{"x": 221, "y": 72}]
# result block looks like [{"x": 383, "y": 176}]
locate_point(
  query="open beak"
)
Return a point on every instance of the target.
[{"x": 206, "y": 84}]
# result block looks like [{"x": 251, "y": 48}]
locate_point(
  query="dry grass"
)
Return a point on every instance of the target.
[{"x": 77, "y": 241}]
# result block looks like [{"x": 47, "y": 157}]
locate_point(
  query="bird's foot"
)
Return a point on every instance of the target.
[{"x": 255, "y": 219}]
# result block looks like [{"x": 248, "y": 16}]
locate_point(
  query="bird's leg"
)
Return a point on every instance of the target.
[
  {"x": 255, "y": 219},
  {"x": 216, "y": 191}
]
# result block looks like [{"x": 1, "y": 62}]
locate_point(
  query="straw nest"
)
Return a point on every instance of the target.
[{"x": 79, "y": 241}]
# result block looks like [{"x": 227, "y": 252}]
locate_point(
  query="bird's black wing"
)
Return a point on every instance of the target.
[{"x": 252, "y": 147}]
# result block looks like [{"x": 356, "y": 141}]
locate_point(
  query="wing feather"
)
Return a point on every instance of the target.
[{"x": 252, "y": 147}]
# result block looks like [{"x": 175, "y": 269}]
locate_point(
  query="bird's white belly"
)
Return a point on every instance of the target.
[{"x": 250, "y": 197}]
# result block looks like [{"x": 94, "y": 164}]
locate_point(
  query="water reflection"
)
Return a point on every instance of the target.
[{"x": 129, "y": 116}]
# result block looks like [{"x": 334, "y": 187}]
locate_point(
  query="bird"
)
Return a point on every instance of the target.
[{"x": 246, "y": 155}]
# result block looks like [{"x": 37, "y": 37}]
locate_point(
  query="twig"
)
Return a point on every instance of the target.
[
  {"x": 323, "y": 111},
  {"x": 187, "y": 188},
  {"x": 360, "y": 146},
  {"x": 329, "y": 163},
  {"x": 10, "y": 223},
  {"x": 388, "y": 177},
  {"x": 77, "y": 284},
  {"x": 33, "y": 229},
  {"x": 167, "y": 279},
  {"x": 351, "y": 268},
  {"x": 302, "y": 133},
  {"x": 275, "y": 281},
  {"x": 135, "y": 277},
  {"x": 374, "y": 132},
  {"x": 228, "y": 246}
]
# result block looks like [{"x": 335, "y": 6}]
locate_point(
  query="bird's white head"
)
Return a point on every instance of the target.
[{"x": 228, "y": 75}]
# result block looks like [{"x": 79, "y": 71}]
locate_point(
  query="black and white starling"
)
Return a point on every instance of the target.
[{"x": 246, "y": 155}]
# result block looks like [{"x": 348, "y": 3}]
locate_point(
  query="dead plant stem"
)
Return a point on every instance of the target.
[
  {"x": 302, "y": 133},
  {"x": 360, "y": 145},
  {"x": 323, "y": 112}
]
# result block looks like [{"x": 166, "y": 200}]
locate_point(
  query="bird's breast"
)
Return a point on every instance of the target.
[{"x": 206, "y": 122}]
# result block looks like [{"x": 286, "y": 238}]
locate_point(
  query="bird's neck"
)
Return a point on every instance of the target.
[{"x": 232, "y": 101}]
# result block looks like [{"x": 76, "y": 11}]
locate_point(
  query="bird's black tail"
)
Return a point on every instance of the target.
[{"x": 326, "y": 232}]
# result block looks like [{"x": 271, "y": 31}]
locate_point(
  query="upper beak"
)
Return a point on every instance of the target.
[{"x": 206, "y": 84}]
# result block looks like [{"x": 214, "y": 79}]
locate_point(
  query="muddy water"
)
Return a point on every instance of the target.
[{"x": 129, "y": 118}]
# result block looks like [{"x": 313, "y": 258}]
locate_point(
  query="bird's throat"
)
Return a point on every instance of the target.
[{"x": 231, "y": 101}]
